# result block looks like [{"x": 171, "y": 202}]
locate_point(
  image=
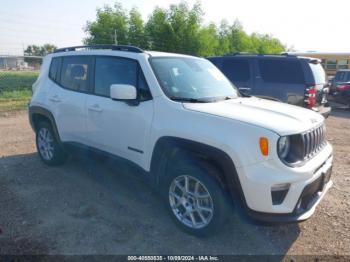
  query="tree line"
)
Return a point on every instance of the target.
[
  {"x": 178, "y": 29},
  {"x": 36, "y": 50}
]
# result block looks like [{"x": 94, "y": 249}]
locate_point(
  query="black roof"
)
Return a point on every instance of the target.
[
  {"x": 255, "y": 54},
  {"x": 281, "y": 55}
]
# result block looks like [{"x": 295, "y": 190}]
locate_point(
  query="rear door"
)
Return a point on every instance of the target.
[
  {"x": 281, "y": 79},
  {"x": 70, "y": 84},
  {"x": 240, "y": 72}
]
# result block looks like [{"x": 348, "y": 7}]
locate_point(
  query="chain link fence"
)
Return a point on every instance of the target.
[
  {"x": 17, "y": 75},
  {"x": 15, "y": 89},
  {"x": 16, "y": 80}
]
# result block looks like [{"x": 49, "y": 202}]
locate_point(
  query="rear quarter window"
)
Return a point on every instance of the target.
[
  {"x": 281, "y": 71},
  {"x": 318, "y": 73},
  {"x": 55, "y": 69}
]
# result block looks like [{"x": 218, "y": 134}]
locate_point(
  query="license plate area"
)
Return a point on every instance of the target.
[{"x": 315, "y": 188}]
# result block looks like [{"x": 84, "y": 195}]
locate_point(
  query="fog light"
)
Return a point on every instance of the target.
[
  {"x": 279, "y": 192},
  {"x": 298, "y": 207}
]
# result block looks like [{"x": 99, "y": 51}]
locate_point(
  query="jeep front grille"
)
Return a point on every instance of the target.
[{"x": 313, "y": 141}]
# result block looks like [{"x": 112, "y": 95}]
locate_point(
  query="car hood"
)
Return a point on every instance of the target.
[{"x": 281, "y": 118}]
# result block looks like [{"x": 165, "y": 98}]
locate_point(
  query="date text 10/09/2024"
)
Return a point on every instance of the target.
[{"x": 173, "y": 258}]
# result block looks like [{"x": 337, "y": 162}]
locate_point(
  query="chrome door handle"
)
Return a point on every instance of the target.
[
  {"x": 55, "y": 98},
  {"x": 244, "y": 88},
  {"x": 95, "y": 108}
]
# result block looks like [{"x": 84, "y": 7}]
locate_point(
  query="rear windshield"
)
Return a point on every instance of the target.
[
  {"x": 318, "y": 72},
  {"x": 342, "y": 76}
]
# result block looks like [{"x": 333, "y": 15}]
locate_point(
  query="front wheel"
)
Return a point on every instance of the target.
[{"x": 195, "y": 200}]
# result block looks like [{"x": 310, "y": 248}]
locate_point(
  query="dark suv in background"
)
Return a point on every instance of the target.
[{"x": 291, "y": 79}]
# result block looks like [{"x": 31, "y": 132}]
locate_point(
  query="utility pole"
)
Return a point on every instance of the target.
[{"x": 115, "y": 37}]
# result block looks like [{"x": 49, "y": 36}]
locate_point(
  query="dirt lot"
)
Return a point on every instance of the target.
[{"x": 88, "y": 207}]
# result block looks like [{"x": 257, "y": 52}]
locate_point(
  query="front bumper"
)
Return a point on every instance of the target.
[
  {"x": 299, "y": 213},
  {"x": 308, "y": 185}
]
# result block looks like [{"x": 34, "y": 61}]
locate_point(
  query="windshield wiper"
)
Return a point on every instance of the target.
[
  {"x": 221, "y": 98},
  {"x": 230, "y": 97},
  {"x": 189, "y": 100}
]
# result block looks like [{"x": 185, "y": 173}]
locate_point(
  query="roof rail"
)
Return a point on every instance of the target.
[
  {"x": 287, "y": 54},
  {"x": 127, "y": 48},
  {"x": 240, "y": 53},
  {"x": 247, "y": 53}
]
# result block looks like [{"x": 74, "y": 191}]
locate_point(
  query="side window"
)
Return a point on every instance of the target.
[
  {"x": 113, "y": 70},
  {"x": 55, "y": 69},
  {"x": 116, "y": 70},
  {"x": 75, "y": 73},
  {"x": 281, "y": 71},
  {"x": 236, "y": 69}
]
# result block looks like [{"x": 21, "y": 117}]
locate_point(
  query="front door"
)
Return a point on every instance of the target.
[{"x": 118, "y": 127}]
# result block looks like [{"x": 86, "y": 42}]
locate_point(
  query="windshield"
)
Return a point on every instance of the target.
[
  {"x": 318, "y": 72},
  {"x": 192, "y": 79}
]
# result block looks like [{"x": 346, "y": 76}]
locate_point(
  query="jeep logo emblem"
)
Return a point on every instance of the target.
[{"x": 313, "y": 120}]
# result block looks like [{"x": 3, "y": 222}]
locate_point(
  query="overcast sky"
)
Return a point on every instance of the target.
[{"x": 317, "y": 25}]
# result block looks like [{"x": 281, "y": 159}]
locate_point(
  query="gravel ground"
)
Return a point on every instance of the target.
[{"x": 89, "y": 207}]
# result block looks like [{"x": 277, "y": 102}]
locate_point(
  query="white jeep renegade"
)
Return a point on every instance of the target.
[{"x": 180, "y": 120}]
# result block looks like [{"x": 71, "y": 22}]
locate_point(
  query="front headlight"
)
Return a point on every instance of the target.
[
  {"x": 290, "y": 149},
  {"x": 283, "y": 146}
]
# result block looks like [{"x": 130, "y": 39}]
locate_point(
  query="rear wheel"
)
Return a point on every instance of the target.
[
  {"x": 194, "y": 198},
  {"x": 49, "y": 149}
]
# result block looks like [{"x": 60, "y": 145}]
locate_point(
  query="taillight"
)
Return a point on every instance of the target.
[
  {"x": 310, "y": 96},
  {"x": 343, "y": 87}
]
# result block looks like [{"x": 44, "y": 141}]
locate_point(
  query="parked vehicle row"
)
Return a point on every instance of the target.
[
  {"x": 189, "y": 130},
  {"x": 286, "y": 78}
]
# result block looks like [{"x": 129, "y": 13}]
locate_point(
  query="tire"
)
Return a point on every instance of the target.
[
  {"x": 201, "y": 179},
  {"x": 49, "y": 149}
]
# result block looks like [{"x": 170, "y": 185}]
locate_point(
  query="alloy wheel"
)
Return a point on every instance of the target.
[
  {"x": 45, "y": 144},
  {"x": 191, "y": 201}
]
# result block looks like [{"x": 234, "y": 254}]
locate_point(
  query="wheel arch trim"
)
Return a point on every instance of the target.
[
  {"x": 35, "y": 111},
  {"x": 167, "y": 147}
]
